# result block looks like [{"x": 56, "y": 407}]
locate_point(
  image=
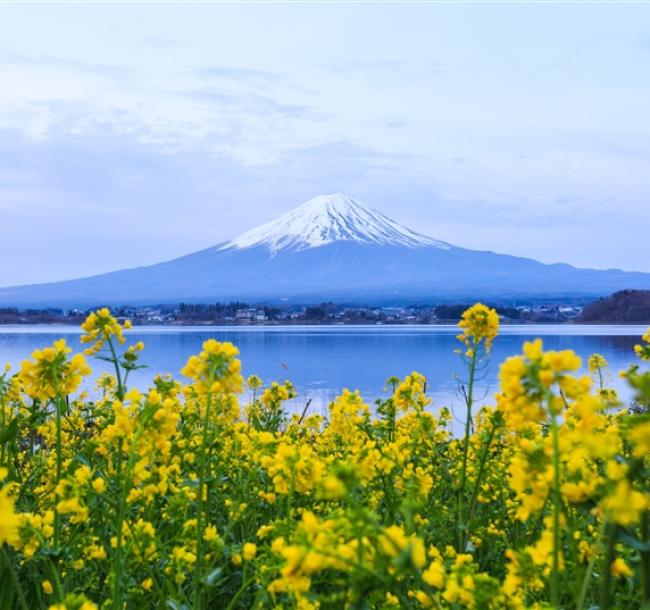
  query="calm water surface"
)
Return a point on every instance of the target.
[{"x": 322, "y": 360}]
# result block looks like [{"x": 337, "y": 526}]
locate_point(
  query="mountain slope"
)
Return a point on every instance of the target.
[{"x": 333, "y": 248}]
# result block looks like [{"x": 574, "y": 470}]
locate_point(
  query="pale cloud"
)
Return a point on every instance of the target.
[
  {"x": 530, "y": 137},
  {"x": 246, "y": 75}
]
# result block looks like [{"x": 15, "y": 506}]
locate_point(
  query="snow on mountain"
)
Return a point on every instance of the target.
[{"x": 326, "y": 219}]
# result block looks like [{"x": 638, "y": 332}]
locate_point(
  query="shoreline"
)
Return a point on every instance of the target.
[{"x": 306, "y": 323}]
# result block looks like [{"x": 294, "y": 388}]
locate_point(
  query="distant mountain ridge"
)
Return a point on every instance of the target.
[
  {"x": 332, "y": 247},
  {"x": 624, "y": 307}
]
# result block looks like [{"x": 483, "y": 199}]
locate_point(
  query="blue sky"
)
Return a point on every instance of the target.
[{"x": 131, "y": 134}]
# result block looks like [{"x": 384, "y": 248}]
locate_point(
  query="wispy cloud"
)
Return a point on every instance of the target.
[
  {"x": 238, "y": 74},
  {"x": 394, "y": 67},
  {"x": 63, "y": 63},
  {"x": 395, "y": 121},
  {"x": 246, "y": 101}
]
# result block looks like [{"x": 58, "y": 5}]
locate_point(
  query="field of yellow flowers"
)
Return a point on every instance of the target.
[{"x": 185, "y": 496}]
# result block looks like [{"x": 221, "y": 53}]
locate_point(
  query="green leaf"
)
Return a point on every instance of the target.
[
  {"x": 6, "y": 587},
  {"x": 213, "y": 577},
  {"x": 633, "y": 542},
  {"x": 10, "y": 433}
]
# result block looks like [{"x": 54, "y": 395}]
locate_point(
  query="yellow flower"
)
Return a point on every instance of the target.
[
  {"x": 51, "y": 374},
  {"x": 625, "y": 504},
  {"x": 210, "y": 534},
  {"x": 620, "y": 569},
  {"x": 73, "y": 506},
  {"x": 434, "y": 575},
  {"x": 479, "y": 324},
  {"x": 332, "y": 488},
  {"x": 82, "y": 474},
  {"x": 253, "y": 382},
  {"x": 215, "y": 370},
  {"x": 411, "y": 393},
  {"x": 422, "y": 597},
  {"x": 596, "y": 362},
  {"x": 639, "y": 435},
  {"x": 249, "y": 551},
  {"x": 47, "y": 587},
  {"x": 418, "y": 552},
  {"x": 643, "y": 351},
  {"x": 9, "y": 521},
  {"x": 99, "y": 485},
  {"x": 99, "y": 327},
  {"x": 264, "y": 530}
]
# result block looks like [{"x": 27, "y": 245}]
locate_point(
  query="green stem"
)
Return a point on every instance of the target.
[
  {"x": 557, "y": 501},
  {"x": 59, "y": 466},
  {"x": 118, "y": 568},
  {"x": 149, "y": 567},
  {"x": 16, "y": 582},
  {"x": 3, "y": 428},
  {"x": 469, "y": 400},
  {"x": 200, "y": 527},
  {"x": 116, "y": 363},
  {"x": 606, "y": 583},
  {"x": 117, "y": 563},
  {"x": 246, "y": 582},
  {"x": 580, "y": 602},
  {"x": 58, "y": 587},
  {"x": 645, "y": 560},
  {"x": 121, "y": 508},
  {"x": 477, "y": 483}
]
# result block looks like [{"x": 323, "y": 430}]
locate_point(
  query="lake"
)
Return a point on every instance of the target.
[{"x": 322, "y": 360}]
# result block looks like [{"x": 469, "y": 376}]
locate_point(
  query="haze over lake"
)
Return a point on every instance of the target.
[{"x": 322, "y": 360}]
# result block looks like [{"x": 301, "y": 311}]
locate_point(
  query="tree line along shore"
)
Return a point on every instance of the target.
[{"x": 623, "y": 307}]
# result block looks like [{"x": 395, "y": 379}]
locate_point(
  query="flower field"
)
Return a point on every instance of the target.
[{"x": 185, "y": 495}]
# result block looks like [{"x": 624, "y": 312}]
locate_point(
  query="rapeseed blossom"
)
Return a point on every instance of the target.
[
  {"x": 51, "y": 373},
  {"x": 173, "y": 496},
  {"x": 9, "y": 520},
  {"x": 100, "y": 327},
  {"x": 480, "y": 324}
]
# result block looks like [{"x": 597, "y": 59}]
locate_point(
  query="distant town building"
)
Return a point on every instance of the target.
[
  {"x": 250, "y": 315},
  {"x": 245, "y": 314}
]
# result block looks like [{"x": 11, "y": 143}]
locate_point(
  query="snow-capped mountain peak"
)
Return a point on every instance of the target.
[{"x": 326, "y": 219}]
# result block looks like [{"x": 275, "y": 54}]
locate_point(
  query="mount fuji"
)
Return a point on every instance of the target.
[{"x": 331, "y": 247}]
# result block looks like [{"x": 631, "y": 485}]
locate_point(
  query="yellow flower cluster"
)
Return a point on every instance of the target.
[
  {"x": 100, "y": 327},
  {"x": 643, "y": 349},
  {"x": 411, "y": 392},
  {"x": 215, "y": 370},
  {"x": 169, "y": 497},
  {"x": 51, "y": 373},
  {"x": 9, "y": 521},
  {"x": 526, "y": 383},
  {"x": 480, "y": 324}
]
